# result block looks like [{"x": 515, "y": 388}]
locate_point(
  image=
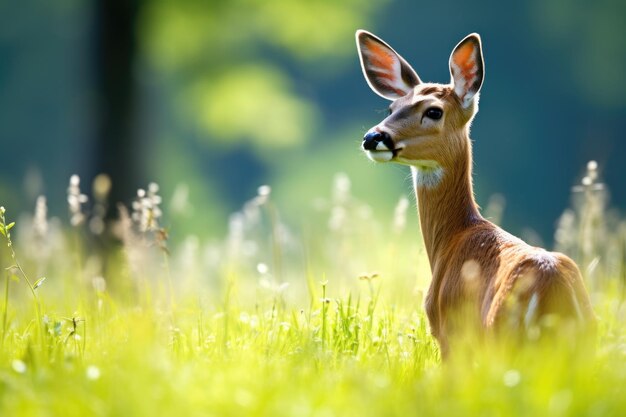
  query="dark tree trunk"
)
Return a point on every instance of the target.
[{"x": 116, "y": 146}]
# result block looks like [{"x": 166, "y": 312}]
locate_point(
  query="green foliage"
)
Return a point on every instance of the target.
[
  {"x": 194, "y": 204},
  {"x": 219, "y": 55},
  {"x": 252, "y": 102},
  {"x": 271, "y": 323},
  {"x": 593, "y": 57}
]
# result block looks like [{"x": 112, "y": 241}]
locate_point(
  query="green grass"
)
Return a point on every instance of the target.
[{"x": 214, "y": 330}]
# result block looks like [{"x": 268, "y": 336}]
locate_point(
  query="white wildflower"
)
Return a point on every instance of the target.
[
  {"x": 511, "y": 378},
  {"x": 146, "y": 210},
  {"x": 101, "y": 188},
  {"x": 341, "y": 188},
  {"x": 40, "y": 220},
  {"x": 18, "y": 366},
  {"x": 92, "y": 372},
  {"x": 264, "y": 190},
  {"x": 399, "y": 214},
  {"x": 75, "y": 200},
  {"x": 262, "y": 268},
  {"x": 261, "y": 198}
]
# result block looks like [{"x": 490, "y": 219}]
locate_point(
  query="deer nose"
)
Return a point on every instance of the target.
[{"x": 377, "y": 141}]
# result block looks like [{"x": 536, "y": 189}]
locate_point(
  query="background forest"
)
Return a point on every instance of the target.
[{"x": 213, "y": 98}]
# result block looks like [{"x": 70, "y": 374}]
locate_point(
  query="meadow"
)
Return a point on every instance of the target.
[{"x": 323, "y": 318}]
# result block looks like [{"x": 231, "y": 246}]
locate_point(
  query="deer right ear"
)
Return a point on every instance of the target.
[
  {"x": 386, "y": 72},
  {"x": 467, "y": 68}
]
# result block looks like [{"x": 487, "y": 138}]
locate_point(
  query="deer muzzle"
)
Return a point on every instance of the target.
[{"x": 378, "y": 146}]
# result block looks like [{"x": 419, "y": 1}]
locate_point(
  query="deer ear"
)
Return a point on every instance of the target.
[
  {"x": 386, "y": 72},
  {"x": 467, "y": 68}
]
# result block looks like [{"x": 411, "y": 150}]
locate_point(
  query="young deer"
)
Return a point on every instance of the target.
[{"x": 483, "y": 277}]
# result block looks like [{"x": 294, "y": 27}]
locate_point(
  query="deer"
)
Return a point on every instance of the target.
[{"x": 482, "y": 277}]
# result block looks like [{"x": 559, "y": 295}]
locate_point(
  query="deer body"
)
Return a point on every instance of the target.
[{"x": 483, "y": 277}]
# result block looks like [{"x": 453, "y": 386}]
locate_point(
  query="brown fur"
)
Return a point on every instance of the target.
[{"x": 455, "y": 233}]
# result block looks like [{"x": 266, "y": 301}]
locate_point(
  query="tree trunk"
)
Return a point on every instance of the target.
[{"x": 116, "y": 140}]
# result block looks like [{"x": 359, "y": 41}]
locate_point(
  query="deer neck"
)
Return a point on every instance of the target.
[{"x": 446, "y": 199}]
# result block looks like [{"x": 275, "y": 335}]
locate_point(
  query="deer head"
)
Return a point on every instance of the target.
[{"x": 427, "y": 125}]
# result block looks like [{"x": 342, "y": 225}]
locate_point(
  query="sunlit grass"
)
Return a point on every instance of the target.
[{"x": 269, "y": 322}]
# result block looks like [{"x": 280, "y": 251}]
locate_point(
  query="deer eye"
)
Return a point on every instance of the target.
[{"x": 434, "y": 113}]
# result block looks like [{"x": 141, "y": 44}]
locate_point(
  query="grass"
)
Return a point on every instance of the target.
[{"x": 266, "y": 323}]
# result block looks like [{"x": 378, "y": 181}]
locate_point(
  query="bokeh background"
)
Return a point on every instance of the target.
[{"x": 213, "y": 98}]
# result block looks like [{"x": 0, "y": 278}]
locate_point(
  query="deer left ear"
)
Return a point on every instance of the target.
[
  {"x": 467, "y": 68},
  {"x": 386, "y": 72}
]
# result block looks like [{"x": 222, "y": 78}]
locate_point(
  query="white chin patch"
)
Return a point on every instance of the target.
[
  {"x": 379, "y": 156},
  {"x": 426, "y": 176}
]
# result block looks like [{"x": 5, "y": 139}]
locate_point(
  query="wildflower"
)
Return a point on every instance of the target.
[
  {"x": 263, "y": 193},
  {"x": 40, "y": 220},
  {"x": 75, "y": 200},
  {"x": 262, "y": 268},
  {"x": 146, "y": 210},
  {"x": 92, "y": 372},
  {"x": 341, "y": 188},
  {"x": 399, "y": 217},
  {"x": 592, "y": 199},
  {"x": 511, "y": 378},
  {"x": 590, "y": 180},
  {"x": 252, "y": 208},
  {"x": 101, "y": 188},
  {"x": 18, "y": 366}
]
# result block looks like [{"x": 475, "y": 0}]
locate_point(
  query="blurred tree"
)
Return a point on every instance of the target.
[
  {"x": 116, "y": 143},
  {"x": 219, "y": 96}
]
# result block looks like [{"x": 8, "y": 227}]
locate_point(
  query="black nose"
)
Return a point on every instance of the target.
[{"x": 372, "y": 139}]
